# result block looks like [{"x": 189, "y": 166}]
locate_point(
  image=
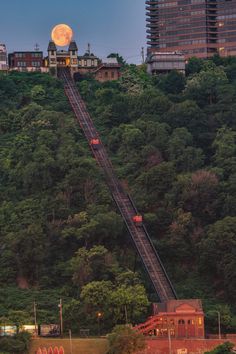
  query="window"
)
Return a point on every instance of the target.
[
  {"x": 36, "y": 63},
  {"x": 106, "y": 74},
  {"x": 112, "y": 74},
  {"x": 182, "y": 322},
  {"x": 21, "y": 63},
  {"x": 20, "y": 55},
  {"x": 191, "y": 322},
  {"x": 200, "y": 321}
]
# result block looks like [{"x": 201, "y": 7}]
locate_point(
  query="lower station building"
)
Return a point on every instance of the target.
[
  {"x": 86, "y": 65},
  {"x": 175, "y": 319}
]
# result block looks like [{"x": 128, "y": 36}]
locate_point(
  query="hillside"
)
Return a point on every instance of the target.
[{"x": 172, "y": 143}]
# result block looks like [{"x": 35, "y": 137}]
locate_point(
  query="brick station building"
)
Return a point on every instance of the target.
[{"x": 175, "y": 319}]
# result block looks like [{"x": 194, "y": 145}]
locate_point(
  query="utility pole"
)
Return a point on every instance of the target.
[
  {"x": 35, "y": 318},
  {"x": 169, "y": 341},
  {"x": 61, "y": 318},
  {"x": 89, "y": 48},
  {"x": 126, "y": 315},
  {"x": 36, "y": 47},
  {"x": 143, "y": 57},
  {"x": 219, "y": 324}
]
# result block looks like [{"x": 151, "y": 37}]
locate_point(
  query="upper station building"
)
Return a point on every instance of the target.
[
  {"x": 198, "y": 28},
  {"x": 3, "y": 58},
  {"x": 88, "y": 64}
]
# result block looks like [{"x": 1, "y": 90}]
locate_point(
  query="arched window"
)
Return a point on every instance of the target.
[
  {"x": 190, "y": 322},
  {"x": 181, "y": 322}
]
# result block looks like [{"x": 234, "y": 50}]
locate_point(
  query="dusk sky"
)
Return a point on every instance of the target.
[{"x": 109, "y": 25}]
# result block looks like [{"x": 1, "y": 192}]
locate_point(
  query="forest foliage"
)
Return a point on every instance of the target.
[{"x": 172, "y": 142}]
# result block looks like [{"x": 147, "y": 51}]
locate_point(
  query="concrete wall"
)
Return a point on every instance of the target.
[
  {"x": 184, "y": 346},
  {"x": 79, "y": 346},
  {"x": 154, "y": 346}
]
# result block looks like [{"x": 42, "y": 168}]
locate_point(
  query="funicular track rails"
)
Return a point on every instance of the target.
[{"x": 141, "y": 239}]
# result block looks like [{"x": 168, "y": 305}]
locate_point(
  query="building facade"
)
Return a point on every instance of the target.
[
  {"x": 161, "y": 62},
  {"x": 3, "y": 58},
  {"x": 26, "y": 61},
  {"x": 198, "y": 28},
  {"x": 87, "y": 64},
  {"x": 226, "y": 16},
  {"x": 175, "y": 319},
  {"x": 107, "y": 70},
  {"x": 62, "y": 58}
]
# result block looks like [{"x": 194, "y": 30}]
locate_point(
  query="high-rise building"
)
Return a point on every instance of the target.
[
  {"x": 199, "y": 28},
  {"x": 226, "y": 17}
]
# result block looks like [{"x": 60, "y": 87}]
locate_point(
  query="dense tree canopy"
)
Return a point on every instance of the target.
[{"x": 172, "y": 142}]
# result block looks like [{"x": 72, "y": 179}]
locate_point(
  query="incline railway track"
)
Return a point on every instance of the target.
[{"x": 139, "y": 234}]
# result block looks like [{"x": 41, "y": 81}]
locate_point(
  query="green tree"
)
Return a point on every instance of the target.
[
  {"x": 119, "y": 58},
  {"x": 212, "y": 319},
  {"x": 124, "y": 340},
  {"x": 38, "y": 93},
  {"x": 204, "y": 87},
  {"x": 94, "y": 264},
  {"x": 173, "y": 82},
  {"x": 185, "y": 156},
  {"x": 97, "y": 294},
  {"x": 225, "y": 150},
  {"x": 225, "y": 348},
  {"x": 220, "y": 245},
  {"x": 126, "y": 306},
  {"x": 194, "y": 66}
]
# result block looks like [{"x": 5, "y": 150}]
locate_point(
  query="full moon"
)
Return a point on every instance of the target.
[{"x": 62, "y": 35}]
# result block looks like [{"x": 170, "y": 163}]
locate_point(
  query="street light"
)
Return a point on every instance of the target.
[
  {"x": 99, "y": 315},
  {"x": 169, "y": 341},
  {"x": 70, "y": 341}
]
